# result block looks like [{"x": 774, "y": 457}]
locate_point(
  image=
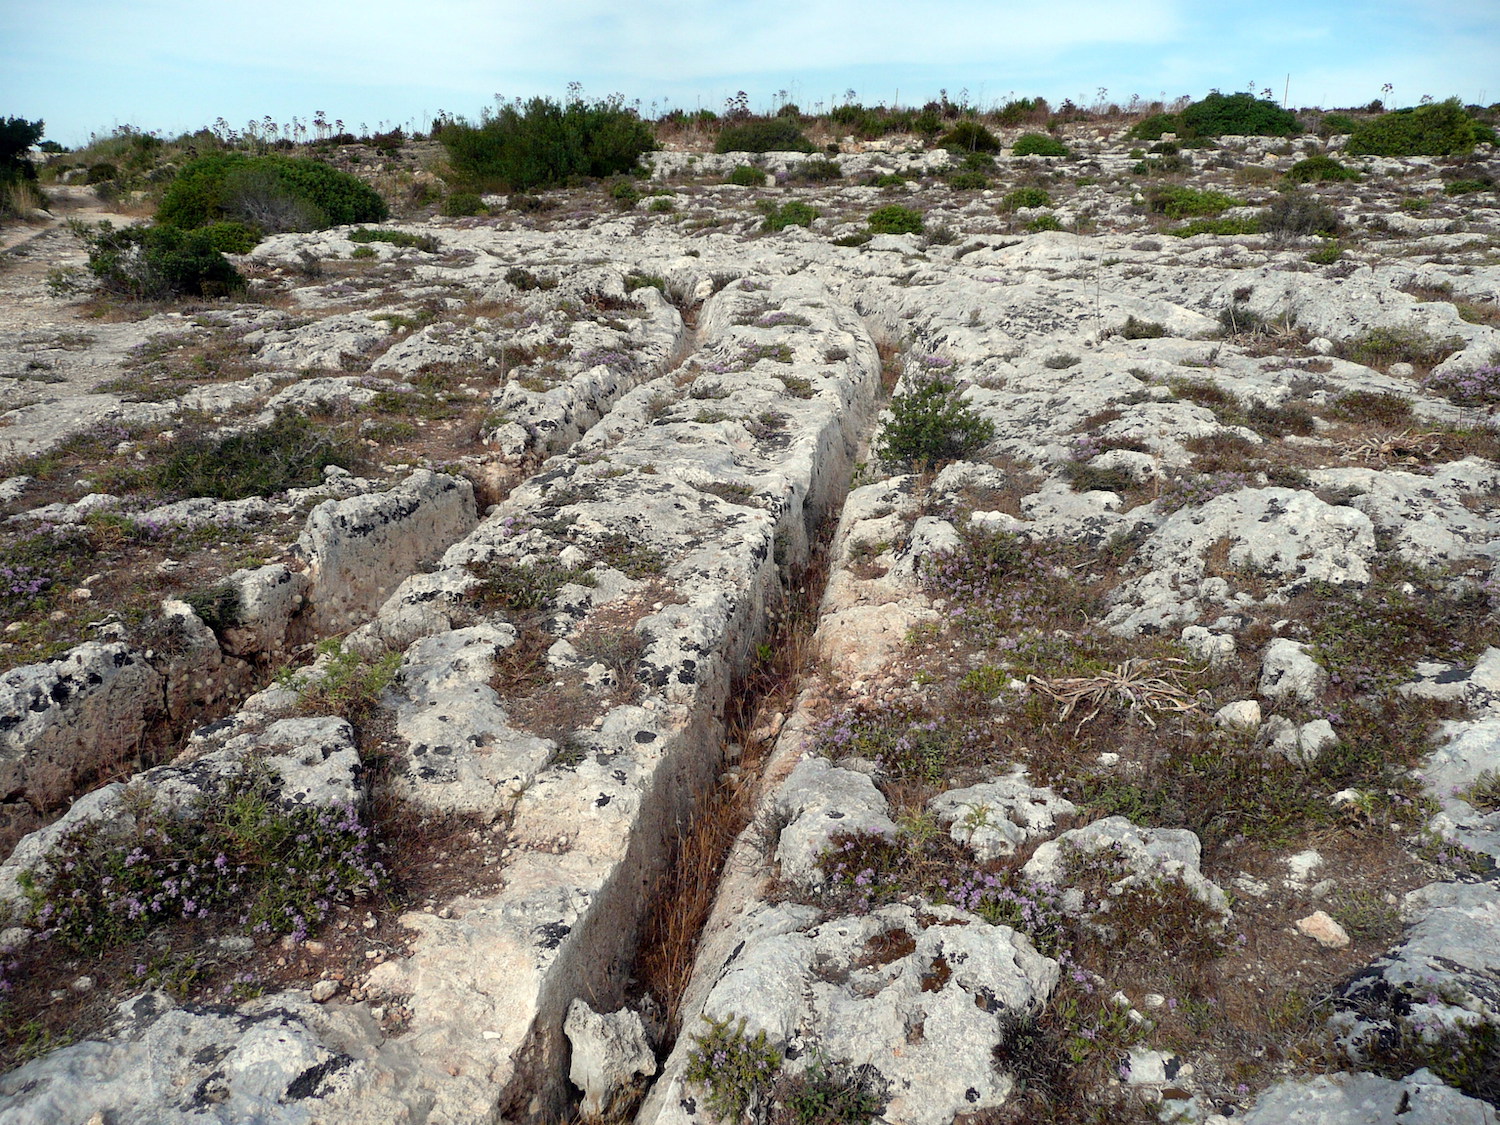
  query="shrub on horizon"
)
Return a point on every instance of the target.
[
  {"x": 776, "y": 134},
  {"x": 1441, "y": 129},
  {"x": 543, "y": 144},
  {"x": 1242, "y": 115}
]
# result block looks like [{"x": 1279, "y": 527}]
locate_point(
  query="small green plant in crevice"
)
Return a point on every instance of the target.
[
  {"x": 792, "y": 213},
  {"x": 400, "y": 238},
  {"x": 1380, "y": 347},
  {"x": 895, "y": 219},
  {"x": 931, "y": 423},
  {"x": 1134, "y": 329},
  {"x": 508, "y": 585},
  {"x": 735, "y": 1070},
  {"x": 218, "y": 607},
  {"x": 1319, "y": 169},
  {"x": 746, "y": 175},
  {"x": 347, "y": 685}
]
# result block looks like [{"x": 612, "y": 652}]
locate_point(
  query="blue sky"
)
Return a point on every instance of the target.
[{"x": 173, "y": 65}]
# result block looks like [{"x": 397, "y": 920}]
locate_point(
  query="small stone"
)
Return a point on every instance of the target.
[
  {"x": 315, "y": 948},
  {"x": 1243, "y": 714},
  {"x": 83, "y": 984},
  {"x": 325, "y": 990},
  {"x": 82, "y": 593},
  {"x": 1324, "y": 930},
  {"x": 369, "y": 923},
  {"x": 1301, "y": 866},
  {"x": 14, "y": 627}
]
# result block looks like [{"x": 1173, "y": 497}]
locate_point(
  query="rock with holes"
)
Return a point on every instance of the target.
[
  {"x": 73, "y": 716},
  {"x": 358, "y": 550},
  {"x": 853, "y": 991},
  {"x": 1287, "y": 535},
  {"x": 1443, "y": 974},
  {"x": 993, "y": 818},
  {"x": 278, "y": 1059},
  {"x": 818, "y": 801},
  {"x": 200, "y": 676},
  {"x": 1420, "y": 1098},
  {"x": 1127, "y": 856},
  {"x": 611, "y": 1057},
  {"x": 1289, "y": 672},
  {"x": 266, "y": 621}
]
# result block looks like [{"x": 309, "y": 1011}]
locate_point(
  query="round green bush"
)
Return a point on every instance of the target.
[
  {"x": 895, "y": 219},
  {"x": 274, "y": 192},
  {"x": 1240, "y": 115},
  {"x": 776, "y": 134},
  {"x": 1335, "y": 123},
  {"x": 101, "y": 173},
  {"x": 1038, "y": 144},
  {"x": 747, "y": 175},
  {"x": 1442, "y": 129},
  {"x": 969, "y": 136},
  {"x": 932, "y": 423},
  {"x": 1151, "y": 128},
  {"x": 1316, "y": 169},
  {"x": 1025, "y": 197},
  {"x": 157, "y": 263},
  {"x": 968, "y": 181}
]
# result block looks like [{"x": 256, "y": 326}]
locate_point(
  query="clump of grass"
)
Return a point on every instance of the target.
[
  {"x": 404, "y": 239},
  {"x": 895, "y": 219},
  {"x": 792, "y": 213},
  {"x": 1381, "y": 347},
  {"x": 1178, "y": 202},
  {"x": 1134, "y": 329},
  {"x": 1025, "y": 197}
]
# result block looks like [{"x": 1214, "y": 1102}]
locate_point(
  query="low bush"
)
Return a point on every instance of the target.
[
  {"x": 969, "y": 136},
  {"x": 968, "y": 181},
  {"x": 157, "y": 263},
  {"x": 895, "y": 219},
  {"x": 1333, "y": 124},
  {"x": 232, "y": 238},
  {"x": 17, "y": 135},
  {"x": 1038, "y": 144},
  {"x": 1297, "y": 214},
  {"x": 1379, "y": 347},
  {"x": 818, "y": 171},
  {"x": 1216, "y": 226},
  {"x": 1025, "y": 197},
  {"x": 747, "y": 175},
  {"x": 458, "y": 204},
  {"x": 1134, "y": 329},
  {"x": 1044, "y": 222},
  {"x": 401, "y": 238},
  {"x": 776, "y": 134},
  {"x": 1316, "y": 169},
  {"x": 931, "y": 424},
  {"x": 291, "y": 452},
  {"x": 792, "y": 213},
  {"x": 543, "y": 144},
  {"x": 1238, "y": 115},
  {"x": 1178, "y": 202},
  {"x": 101, "y": 173},
  {"x": 275, "y": 193},
  {"x": 1441, "y": 129},
  {"x": 1151, "y": 128}
]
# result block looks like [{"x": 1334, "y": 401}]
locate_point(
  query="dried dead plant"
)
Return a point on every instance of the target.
[{"x": 1134, "y": 684}]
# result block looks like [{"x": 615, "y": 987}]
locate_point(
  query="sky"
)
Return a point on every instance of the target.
[{"x": 171, "y": 66}]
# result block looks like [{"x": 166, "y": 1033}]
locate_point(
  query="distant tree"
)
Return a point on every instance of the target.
[{"x": 17, "y": 135}]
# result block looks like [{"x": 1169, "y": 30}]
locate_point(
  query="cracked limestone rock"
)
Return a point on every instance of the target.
[
  {"x": 817, "y": 801},
  {"x": 1420, "y": 1098},
  {"x": 994, "y": 818},
  {"x": 611, "y": 1057},
  {"x": 1289, "y": 672}
]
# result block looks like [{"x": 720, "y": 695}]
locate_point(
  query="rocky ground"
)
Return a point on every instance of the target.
[{"x": 550, "y": 664}]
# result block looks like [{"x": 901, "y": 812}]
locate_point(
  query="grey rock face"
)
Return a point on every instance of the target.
[
  {"x": 82, "y": 712},
  {"x": 1288, "y": 671},
  {"x": 611, "y": 1055},
  {"x": 818, "y": 801},
  {"x": 1365, "y": 1099},
  {"x": 995, "y": 817}
]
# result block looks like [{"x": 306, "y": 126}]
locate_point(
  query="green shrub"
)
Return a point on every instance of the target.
[
  {"x": 101, "y": 173},
  {"x": 404, "y": 239},
  {"x": 747, "y": 175},
  {"x": 1048, "y": 221},
  {"x": 792, "y": 213},
  {"x": 275, "y": 193},
  {"x": 968, "y": 181},
  {"x": 1441, "y": 129},
  {"x": 931, "y": 423},
  {"x": 1238, "y": 115},
  {"x": 895, "y": 219},
  {"x": 157, "y": 263},
  {"x": 543, "y": 144},
  {"x": 1297, "y": 214},
  {"x": 1151, "y": 128},
  {"x": 1466, "y": 187},
  {"x": 17, "y": 135},
  {"x": 291, "y": 452},
  {"x": 969, "y": 136},
  {"x": 1319, "y": 168},
  {"x": 776, "y": 134},
  {"x": 1038, "y": 144},
  {"x": 1379, "y": 347},
  {"x": 816, "y": 171},
  {"x": 460, "y": 203},
  {"x": 1216, "y": 226},
  {"x": 1178, "y": 202},
  {"x": 1134, "y": 329},
  {"x": 232, "y": 238},
  {"x": 1336, "y": 123},
  {"x": 1326, "y": 254},
  {"x": 1025, "y": 197}
]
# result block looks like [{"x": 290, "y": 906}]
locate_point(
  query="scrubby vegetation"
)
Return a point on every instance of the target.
[
  {"x": 274, "y": 193},
  {"x": 777, "y": 134},
  {"x": 158, "y": 263},
  {"x": 544, "y": 144},
  {"x": 1441, "y": 129}
]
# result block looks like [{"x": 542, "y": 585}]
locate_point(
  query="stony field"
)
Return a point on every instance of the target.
[{"x": 695, "y": 658}]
